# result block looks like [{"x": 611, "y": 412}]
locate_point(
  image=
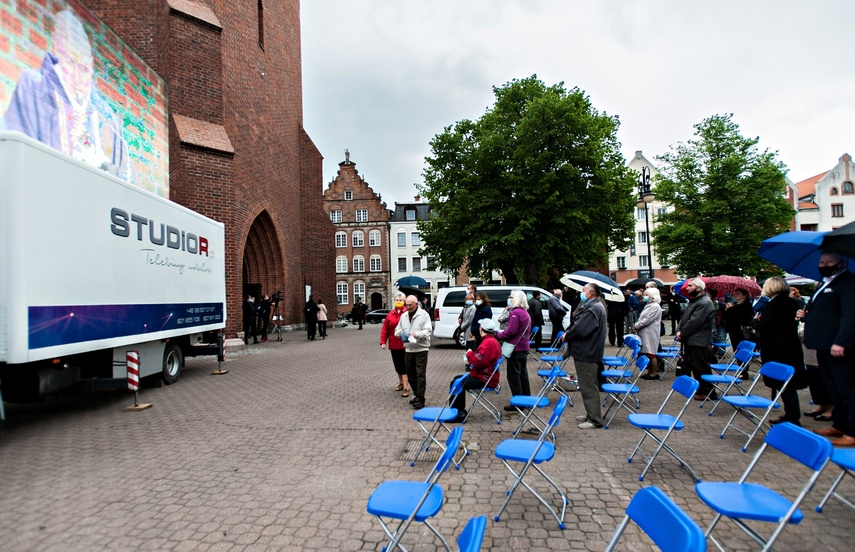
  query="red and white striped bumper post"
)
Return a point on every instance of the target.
[{"x": 133, "y": 362}]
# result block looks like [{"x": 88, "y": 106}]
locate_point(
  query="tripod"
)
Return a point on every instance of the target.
[{"x": 277, "y": 318}]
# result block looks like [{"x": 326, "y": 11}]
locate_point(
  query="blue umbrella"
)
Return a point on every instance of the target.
[
  {"x": 797, "y": 252},
  {"x": 609, "y": 288},
  {"x": 411, "y": 282}
]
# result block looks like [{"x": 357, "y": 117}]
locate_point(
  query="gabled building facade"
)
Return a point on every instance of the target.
[
  {"x": 360, "y": 236},
  {"x": 827, "y": 200}
]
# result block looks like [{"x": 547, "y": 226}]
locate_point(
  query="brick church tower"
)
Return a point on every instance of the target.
[{"x": 237, "y": 148}]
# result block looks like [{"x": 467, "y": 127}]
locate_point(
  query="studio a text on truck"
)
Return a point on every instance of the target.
[{"x": 92, "y": 267}]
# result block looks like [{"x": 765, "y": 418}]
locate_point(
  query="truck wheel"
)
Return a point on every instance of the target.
[
  {"x": 173, "y": 360},
  {"x": 460, "y": 338}
]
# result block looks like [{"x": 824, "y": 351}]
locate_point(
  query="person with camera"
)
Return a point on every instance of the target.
[{"x": 264, "y": 316}]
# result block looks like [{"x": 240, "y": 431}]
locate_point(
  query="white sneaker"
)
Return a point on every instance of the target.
[
  {"x": 583, "y": 418},
  {"x": 589, "y": 425}
]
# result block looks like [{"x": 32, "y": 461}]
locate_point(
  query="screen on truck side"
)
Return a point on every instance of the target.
[{"x": 68, "y": 81}]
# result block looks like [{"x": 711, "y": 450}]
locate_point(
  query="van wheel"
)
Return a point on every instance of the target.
[
  {"x": 173, "y": 361},
  {"x": 460, "y": 338}
]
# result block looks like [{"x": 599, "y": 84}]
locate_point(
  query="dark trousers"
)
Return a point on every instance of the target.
[
  {"x": 417, "y": 374},
  {"x": 322, "y": 328},
  {"x": 790, "y": 398},
  {"x": 398, "y": 361},
  {"x": 459, "y": 402},
  {"x": 616, "y": 331},
  {"x": 517, "y": 373},
  {"x": 311, "y": 326},
  {"x": 265, "y": 324},
  {"x": 249, "y": 331},
  {"x": 818, "y": 393},
  {"x": 698, "y": 359},
  {"x": 841, "y": 372},
  {"x": 557, "y": 326}
]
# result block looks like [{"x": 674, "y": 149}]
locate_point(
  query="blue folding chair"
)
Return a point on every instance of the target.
[
  {"x": 532, "y": 453},
  {"x": 727, "y": 360},
  {"x": 554, "y": 346},
  {"x": 527, "y": 405},
  {"x": 845, "y": 458},
  {"x": 531, "y": 351},
  {"x": 472, "y": 537},
  {"x": 664, "y": 522},
  {"x": 617, "y": 394},
  {"x": 743, "y": 501},
  {"x": 685, "y": 386},
  {"x": 727, "y": 377},
  {"x": 437, "y": 417},
  {"x": 479, "y": 398},
  {"x": 744, "y": 404},
  {"x": 630, "y": 349},
  {"x": 409, "y": 501},
  {"x": 544, "y": 369}
]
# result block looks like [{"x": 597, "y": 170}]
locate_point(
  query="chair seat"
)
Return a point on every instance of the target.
[
  {"x": 551, "y": 358},
  {"x": 398, "y": 499},
  {"x": 619, "y": 388},
  {"x": 432, "y": 413},
  {"x": 749, "y": 401},
  {"x": 668, "y": 354},
  {"x": 723, "y": 344},
  {"x": 547, "y": 350},
  {"x": 520, "y": 450},
  {"x": 529, "y": 401},
  {"x": 845, "y": 458},
  {"x": 654, "y": 421},
  {"x": 620, "y": 361},
  {"x": 719, "y": 378},
  {"x": 746, "y": 501},
  {"x": 616, "y": 373},
  {"x": 671, "y": 349},
  {"x": 726, "y": 367},
  {"x": 545, "y": 373}
]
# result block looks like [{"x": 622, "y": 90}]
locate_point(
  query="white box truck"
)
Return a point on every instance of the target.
[{"x": 92, "y": 267}]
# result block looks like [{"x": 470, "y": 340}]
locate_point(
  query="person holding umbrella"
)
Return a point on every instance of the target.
[{"x": 830, "y": 330}]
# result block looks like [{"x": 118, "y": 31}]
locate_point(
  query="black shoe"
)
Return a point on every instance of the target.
[
  {"x": 459, "y": 419},
  {"x": 413, "y": 401},
  {"x": 418, "y": 405}
]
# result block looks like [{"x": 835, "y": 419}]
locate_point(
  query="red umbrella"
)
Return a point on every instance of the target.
[{"x": 728, "y": 284}]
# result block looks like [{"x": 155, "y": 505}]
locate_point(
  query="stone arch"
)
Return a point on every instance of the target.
[{"x": 263, "y": 270}]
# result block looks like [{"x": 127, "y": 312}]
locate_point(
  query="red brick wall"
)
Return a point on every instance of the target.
[{"x": 224, "y": 77}]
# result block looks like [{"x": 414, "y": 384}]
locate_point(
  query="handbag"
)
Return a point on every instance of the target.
[{"x": 508, "y": 349}]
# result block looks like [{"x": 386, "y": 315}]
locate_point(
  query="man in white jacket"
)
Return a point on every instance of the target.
[{"x": 414, "y": 329}]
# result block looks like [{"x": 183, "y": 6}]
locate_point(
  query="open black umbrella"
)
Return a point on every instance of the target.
[
  {"x": 412, "y": 291},
  {"x": 636, "y": 283},
  {"x": 412, "y": 282},
  {"x": 840, "y": 241}
]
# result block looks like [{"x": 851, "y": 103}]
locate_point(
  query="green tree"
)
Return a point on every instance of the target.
[
  {"x": 728, "y": 196},
  {"x": 537, "y": 183}
]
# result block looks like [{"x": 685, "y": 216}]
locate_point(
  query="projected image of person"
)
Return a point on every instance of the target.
[{"x": 60, "y": 106}]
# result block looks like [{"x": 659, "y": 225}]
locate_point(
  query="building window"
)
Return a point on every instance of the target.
[
  {"x": 359, "y": 264},
  {"x": 348, "y": 195},
  {"x": 410, "y": 214},
  {"x": 362, "y": 215},
  {"x": 402, "y": 239},
  {"x": 402, "y": 264},
  {"x": 417, "y": 264},
  {"x": 359, "y": 291},
  {"x": 642, "y": 237},
  {"x": 621, "y": 262},
  {"x": 340, "y": 239},
  {"x": 375, "y": 264},
  {"x": 809, "y": 227},
  {"x": 847, "y": 188},
  {"x": 834, "y": 191},
  {"x": 374, "y": 238},
  {"x": 642, "y": 261},
  {"x": 415, "y": 240},
  {"x": 335, "y": 215},
  {"x": 431, "y": 263},
  {"x": 358, "y": 239},
  {"x": 836, "y": 210},
  {"x": 639, "y": 213},
  {"x": 341, "y": 264},
  {"x": 661, "y": 211},
  {"x": 341, "y": 294}
]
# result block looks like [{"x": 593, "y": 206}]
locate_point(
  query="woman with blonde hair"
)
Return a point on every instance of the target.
[
  {"x": 648, "y": 327},
  {"x": 517, "y": 333},
  {"x": 396, "y": 346}
]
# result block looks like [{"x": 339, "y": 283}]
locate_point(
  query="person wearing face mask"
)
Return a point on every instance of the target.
[
  {"x": 466, "y": 319},
  {"x": 394, "y": 343},
  {"x": 482, "y": 310},
  {"x": 737, "y": 314},
  {"x": 586, "y": 343},
  {"x": 517, "y": 332},
  {"x": 535, "y": 311},
  {"x": 830, "y": 330},
  {"x": 648, "y": 329},
  {"x": 696, "y": 326},
  {"x": 414, "y": 330}
]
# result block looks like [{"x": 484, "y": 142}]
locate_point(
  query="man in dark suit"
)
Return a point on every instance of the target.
[{"x": 830, "y": 330}]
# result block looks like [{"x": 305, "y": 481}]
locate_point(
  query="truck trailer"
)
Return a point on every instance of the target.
[{"x": 92, "y": 267}]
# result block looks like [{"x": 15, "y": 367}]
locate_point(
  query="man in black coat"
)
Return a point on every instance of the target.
[
  {"x": 535, "y": 311},
  {"x": 830, "y": 330},
  {"x": 696, "y": 327},
  {"x": 249, "y": 319}
]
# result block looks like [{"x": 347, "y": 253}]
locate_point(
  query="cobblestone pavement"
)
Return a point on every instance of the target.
[{"x": 283, "y": 451}]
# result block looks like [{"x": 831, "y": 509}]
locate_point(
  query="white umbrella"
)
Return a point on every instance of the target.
[{"x": 608, "y": 287}]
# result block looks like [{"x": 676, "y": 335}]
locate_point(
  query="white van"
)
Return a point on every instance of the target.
[{"x": 450, "y": 302}]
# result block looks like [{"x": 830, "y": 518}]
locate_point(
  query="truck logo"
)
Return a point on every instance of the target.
[{"x": 158, "y": 233}]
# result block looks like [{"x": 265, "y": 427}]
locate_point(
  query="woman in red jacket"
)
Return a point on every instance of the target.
[
  {"x": 396, "y": 346},
  {"x": 481, "y": 363}
]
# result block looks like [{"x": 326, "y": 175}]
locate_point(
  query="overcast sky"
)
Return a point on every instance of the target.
[{"x": 383, "y": 77}]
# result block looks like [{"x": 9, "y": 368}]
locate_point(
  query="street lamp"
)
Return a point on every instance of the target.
[{"x": 645, "y": 198}]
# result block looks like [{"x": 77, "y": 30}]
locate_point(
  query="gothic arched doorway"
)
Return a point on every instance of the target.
[{"x": 263, "y": 272}]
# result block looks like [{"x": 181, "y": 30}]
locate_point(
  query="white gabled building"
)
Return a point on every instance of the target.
[{"x": 827, "y": 201}]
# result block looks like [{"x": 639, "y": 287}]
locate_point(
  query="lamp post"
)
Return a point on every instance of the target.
[{"x": 645, "y": 198}]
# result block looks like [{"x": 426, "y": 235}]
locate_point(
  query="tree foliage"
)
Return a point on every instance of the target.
[
  {"x": 728, "y": 196},
  {"x": 537, "y": 183}
]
